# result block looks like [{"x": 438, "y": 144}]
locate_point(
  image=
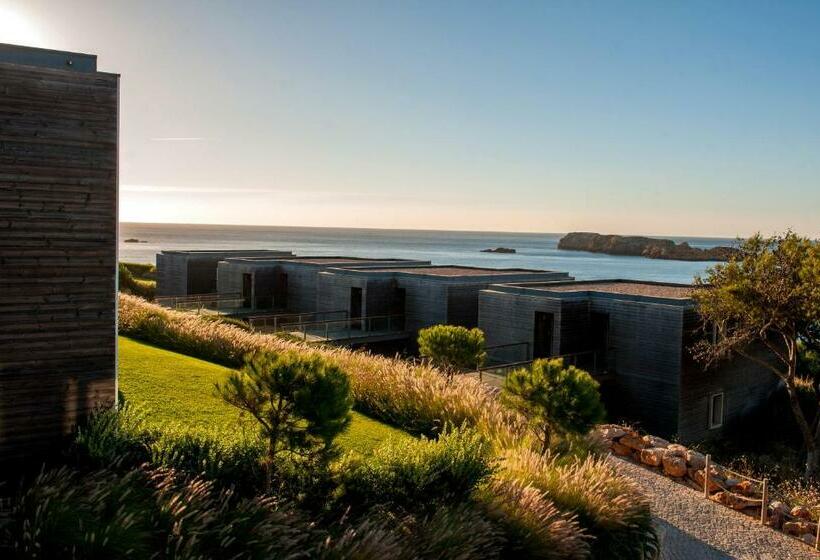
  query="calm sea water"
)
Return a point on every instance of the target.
[{"x": 534, "y": 250}]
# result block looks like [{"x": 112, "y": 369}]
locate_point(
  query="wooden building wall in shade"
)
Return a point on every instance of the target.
[{"x": 58, "y": 246}]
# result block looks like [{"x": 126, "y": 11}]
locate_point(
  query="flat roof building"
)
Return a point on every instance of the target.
[
  {"x": 58, "y": 246},
  {"x": 185, "y": 273},
  {"x": 638, "y": 334},
  {"x": 287, "y": 283},
  {"x": 423, "y": 295}
]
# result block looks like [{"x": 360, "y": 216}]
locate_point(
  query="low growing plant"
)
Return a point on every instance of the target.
[{"x": 422, "y": 475}]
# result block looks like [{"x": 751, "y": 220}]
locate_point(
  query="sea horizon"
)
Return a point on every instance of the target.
[{"x": 538, "y": 251}]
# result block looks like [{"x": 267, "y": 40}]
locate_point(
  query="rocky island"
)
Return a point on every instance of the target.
[
  {"x": 642, "y": 247},
  {"x": 505, "y": 250}
]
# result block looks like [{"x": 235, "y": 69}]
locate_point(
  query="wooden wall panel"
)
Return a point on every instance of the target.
[{"x": 58, "y": 235}]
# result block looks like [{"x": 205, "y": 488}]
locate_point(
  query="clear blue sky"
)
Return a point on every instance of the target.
[{"x": 697, "y": 118}]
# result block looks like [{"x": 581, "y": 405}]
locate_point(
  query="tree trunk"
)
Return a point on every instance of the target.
[
  {"x": 545, "y": 445},
  {"x": 810, "y": 441}
]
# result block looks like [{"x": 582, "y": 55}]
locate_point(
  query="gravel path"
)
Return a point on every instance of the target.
[{"x": 693, "y": 527}]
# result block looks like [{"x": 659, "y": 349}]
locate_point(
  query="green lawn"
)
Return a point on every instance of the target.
[{"x": 180, "y": 389}]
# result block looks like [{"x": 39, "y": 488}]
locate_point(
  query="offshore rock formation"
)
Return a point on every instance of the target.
[
  {"x": 505, "y": 250},
  {"x": 642, "y": 247}
]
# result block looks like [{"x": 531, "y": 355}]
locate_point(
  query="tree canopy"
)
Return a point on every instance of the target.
[
  {"x": 452, "y": 348},
  {"x": 554, "y": 398},
  {"x": 768, "y": 297}
]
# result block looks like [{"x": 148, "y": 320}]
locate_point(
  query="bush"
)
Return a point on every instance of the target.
[
  {"x": 141, "y": 271},
  {"x": 535, "y": 528},
  {"x": 554, "y": 398},
  {"x": 300, "y": 403},
  {"x": 145, "y": 289},
  {"x": 608, "y": 506},
  {"x": 452, "y": 348},
  {"x": 421, "y": 475},
  {"x": 112, "y": 436}
]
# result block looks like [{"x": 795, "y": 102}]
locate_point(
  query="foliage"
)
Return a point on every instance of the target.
[
  {"x": 300, "y": 403},
  {"x": 452, "y": 348},
  {"x": 421, "y": 475},
  {"x": 535, "y": 528},
  {"x": 554, "y": 398},
  {"x": 419, "y": 399},
  {"x": 414, "y": 397},
  {"x": 178, "y": 391},
  {"x": 145, "y": 289},
  {"x": 808, "y": 362},
  {"x": 608, "y": 505},
  {"x": 769, "y": 297}
]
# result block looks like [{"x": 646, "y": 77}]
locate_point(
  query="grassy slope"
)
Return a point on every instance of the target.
[{"x": 179, "y": 389}]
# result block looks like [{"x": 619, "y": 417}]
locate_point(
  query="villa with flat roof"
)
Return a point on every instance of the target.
[
  {"x": 423, "y": 295},
  {"x": 286, "y": 283},
  {"x": 637, "y": 336},
  {"x": 187, "y": 273}
]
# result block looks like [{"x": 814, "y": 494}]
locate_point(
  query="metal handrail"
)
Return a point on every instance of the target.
[
  {"x": 349, "y": 324},
  {"x": 280, "y": 319}
]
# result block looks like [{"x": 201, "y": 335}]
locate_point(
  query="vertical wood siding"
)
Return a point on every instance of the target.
[{"x": 58, "y": 233}]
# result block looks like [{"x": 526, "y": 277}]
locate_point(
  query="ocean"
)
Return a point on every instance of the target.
[{"x": 534, "y": 250}]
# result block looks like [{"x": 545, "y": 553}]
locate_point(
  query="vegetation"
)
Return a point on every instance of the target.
[
  {"x": 178, "y": 392},
  {"x": 554, "y": 399},
  {"x": 138, "y": 279},
  {"x": 300, "y": 403},
  {"x": 423, "y": 475},
  {"x": 767, "y": 298},
  {"x": 452, "y": 349},
  {"x": 490, "y": 502}
]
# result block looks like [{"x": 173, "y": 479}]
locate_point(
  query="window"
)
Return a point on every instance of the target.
[{"x": 716, "y": 410}]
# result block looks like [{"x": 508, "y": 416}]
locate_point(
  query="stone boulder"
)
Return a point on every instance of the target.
[
  {"x": 715, "y": 480},
  {"x": 619, "y": 449},
  {"x": 695, "y": 459},
  {"x": 674, "y": 465},
  {"x": 747, "y": 488},
  {"x": 633, "y": 442},
  {"x": 611, "y": 432},
  {"x": 801, "y": 512},
  {"x": 652, "y": 457},
  {"x": 676, "y": 450},
  {"x": 735, "y": 501},
  {"x": 777, "y": 514},
  {"x": 655, "y": 441},
  {"x": 798, "y": 528},
  {"x": 809, "y": 538}
]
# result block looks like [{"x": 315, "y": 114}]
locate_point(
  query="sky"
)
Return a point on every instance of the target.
[{"x": 663, "y": 118}]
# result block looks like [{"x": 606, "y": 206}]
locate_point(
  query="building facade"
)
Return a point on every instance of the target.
[
  {"x": 423, "y": 295},
  {"x": 58, "y": 246},
  {"x": 186, "y": 273},
  {"x": 637, "y": 336}
]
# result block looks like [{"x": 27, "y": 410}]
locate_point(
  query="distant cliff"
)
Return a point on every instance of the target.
[{"x": 642, "y": 247}]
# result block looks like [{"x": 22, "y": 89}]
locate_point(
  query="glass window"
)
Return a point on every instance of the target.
[{"x": 716, "y": 411}]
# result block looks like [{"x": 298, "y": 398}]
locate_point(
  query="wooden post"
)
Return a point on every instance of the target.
[
  {"x": 817, "y": 538},
  {"x": 764, "y": 501},
  {"x": 706, "y": 476}
]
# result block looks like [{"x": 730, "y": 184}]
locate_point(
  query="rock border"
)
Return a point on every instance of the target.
[{"x": 688, "y": 467}]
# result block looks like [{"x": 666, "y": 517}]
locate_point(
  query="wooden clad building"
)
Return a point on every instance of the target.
[
  {"x": 425, "y": 295},
  {"x": 58, "y": 245},
  {"x": 184, "y": 273},
  {"x": 288, "y": 283},
  {"x": 637, "y": 334}
]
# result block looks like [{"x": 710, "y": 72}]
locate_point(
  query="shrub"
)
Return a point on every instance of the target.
[
  {"x": 67, "y": 514},
  {"x": 535, "y": 528},
  {"x": 300, "y": 403},
  {"x": 452, "y": 348},
  {"x": 420, "y": 475},
  {"x": 608, "y": 505},
  {"x": 145, "y": 289},
  {"x": 554, "y": 398},
  {"x": 117, "y": 436},
  {"x": 141, "y": 271}
]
